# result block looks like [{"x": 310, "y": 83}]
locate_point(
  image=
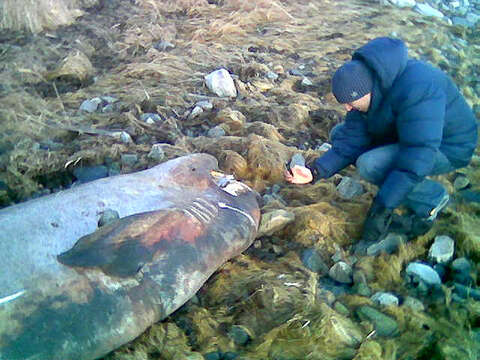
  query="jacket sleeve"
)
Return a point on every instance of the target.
[
  {"x": 348, "y": 143},
  {"x": 419, "y": 121}
]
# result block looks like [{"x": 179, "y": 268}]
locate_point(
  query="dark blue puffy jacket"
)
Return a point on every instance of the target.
[{"x": 413, "y": 104}]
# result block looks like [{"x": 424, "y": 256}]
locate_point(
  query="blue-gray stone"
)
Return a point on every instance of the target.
[
  {"x": 90, "y": 173},
  {"x": 384, "y": 299},
  {"x": 150, "y": 116},
  {"x": 349, "y": 188},
  {"x": 90, "y": 105},
  {"x": 341, "y": 272},
  {"x": 442, "y": 249},
  {"x": 314, "y": 262},
  {"x": 239, "y": 335},
  {"x": 216, "y": 132},
  {"x": 108, "y": 216},
  {"x": 383, "y": 324},
  {"x": 388, "y": 245},
  {"x": 424, "y": 273}
]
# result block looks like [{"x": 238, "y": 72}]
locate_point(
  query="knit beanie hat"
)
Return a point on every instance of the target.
[{"x": 351, "y": 81}]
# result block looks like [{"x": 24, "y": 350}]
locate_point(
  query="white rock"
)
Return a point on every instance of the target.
[
  {"x": 197, "y": 110},
  {"x": 442, "y": 249},
  {"x": 205, "y": 105},
  {"x": 403, "y": 3},
  {"x": 221, "y": 83},
  {"x": 424, "y": 272},
  {"x": 341, "y": 272},
  {"x": 125, "y": 137},
  {"x": 324, "y": 147},
  {"x": 384, "y": 298},
  {"x": 427, "y": 10}
]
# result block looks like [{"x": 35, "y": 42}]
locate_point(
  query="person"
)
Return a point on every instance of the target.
[{"x": 405, "y": 120}]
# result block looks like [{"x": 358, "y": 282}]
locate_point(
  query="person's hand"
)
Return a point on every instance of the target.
[
  {"x": 298, "y": 175},
  {"x": 377, "y": 222}
]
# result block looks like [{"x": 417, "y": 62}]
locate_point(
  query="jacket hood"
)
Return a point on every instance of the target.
[{"x": 386, "y": 57}]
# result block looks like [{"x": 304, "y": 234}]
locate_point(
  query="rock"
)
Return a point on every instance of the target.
[
  {"x": 150, "y": 118},
  {"x": 424, "y": 273},
  {"x": 125, "y": 137},
  {"x": 384, "y": 299},
  {"x": 427, "y": 10},
  {"x": 466, "y": 292},
  {"x": 91, "y": 105},
  {"x": 295, "y": 72},
  {"x": 349, "y": 188},
  {"x": 461, "y": 182},
  {"x": 206, "y": 105},
  {"x": 229, "y": 355},
  {"x": 297, "y": 159},
  {"x": 163, "y": 45},
  {"x": 196, "y": 111},
  {"x": 239, "y": 334},
  {"x": 156, "y": 152},
  {"x": 388, "y": 245},
  {"x": 214, "y": 355},
  {"x": 314, "y": 262},
  {"x": 129, "y": 159},
  {"x": 383, "y": 324},
  {"x": 216, "y": 132},
  {"x": 442, "y": 249},
  {"x": 272, "y": 76},
  {"x": 108, "y": 216},
  {"x": 307, "y": 82},
  {"x": 341, "y": 272},
  {"x": 461, "y": 269},
  {"x": 221, "y": 83},
  {"x": 90, "y": 173},
  {"x": 274, "y": 221},
  {"x": 323, "y": 147},
  {"x": 414, "y": 304},
  {"x": 403, "y": 3}
]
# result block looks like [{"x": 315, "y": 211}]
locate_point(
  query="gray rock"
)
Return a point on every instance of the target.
[
  {"x": 129, "y": 159},
  {"x": 307, "y": 82},
  {"x": 413, "y": 303},
  {"x": 424, "y": 273},
  {"x": 150, "y": 118},
  {"x": 349, "y": 188},
  {"x": 403, "y": 3},
  {"x": 384, "y": 299},
  {"x": 388, "y": 245},
  {"x": 383, "y": 324},
  {"x": 323, "y": 147},
  {"x": 461, "y": 182},
  {"x": 221, "y": 83},
  {"x": 274, "y": 221},
  {"x": 297, "y": 159},
  {"x": 216, "y": 132},
  {"x": 341, "y": 272},
  {"x": 109, "y": 99},
  {"x": 125, "y": 137},
  {"x": 163, "y": 45},
  {"x": 90, "y": 173},
  {"x": 272, "y": 76},
  {"x": 206, "y": 105},
  {"x": 442, "y": 249},
  {"x": 90, "y": 105},
  {"x": 108, "y": 216},
  {"x": 314, "y": 262},
  {"x": 156, "y": 152},
  {"x": 461, "y": 265},
  {"x": 296, "y": 72},
  {"x": 427, "y": 10}
]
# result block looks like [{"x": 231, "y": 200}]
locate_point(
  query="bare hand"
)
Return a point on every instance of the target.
[{"x": 299, "y": 175}]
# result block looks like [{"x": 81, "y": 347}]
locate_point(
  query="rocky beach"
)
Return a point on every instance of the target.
[{"x": 131, "y": 84}]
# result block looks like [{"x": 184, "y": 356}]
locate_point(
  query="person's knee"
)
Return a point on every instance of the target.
[{"x": 366, "y": 168}]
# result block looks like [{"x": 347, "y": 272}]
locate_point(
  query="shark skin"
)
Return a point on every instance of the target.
[{"x": 71, "y": 291}]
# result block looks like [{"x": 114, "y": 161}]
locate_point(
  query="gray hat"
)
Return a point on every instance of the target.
[{"x": 352, "y": 81}]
